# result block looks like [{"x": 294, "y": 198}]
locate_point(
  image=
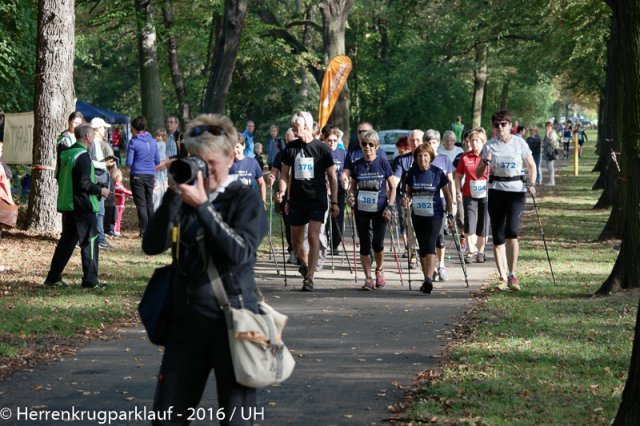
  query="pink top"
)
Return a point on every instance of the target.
[
  {"x": 5, "y": 186},
  {"x": 121, "y": 193}
]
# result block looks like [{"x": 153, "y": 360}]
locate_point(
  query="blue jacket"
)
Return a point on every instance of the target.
[{"x": 143, "y": 155}]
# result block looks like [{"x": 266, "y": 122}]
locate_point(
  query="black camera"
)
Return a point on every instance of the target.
[{"x": 185, "y": 170}]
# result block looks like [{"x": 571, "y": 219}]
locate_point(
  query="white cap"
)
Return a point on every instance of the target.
[{"x": 99, "y": 122}]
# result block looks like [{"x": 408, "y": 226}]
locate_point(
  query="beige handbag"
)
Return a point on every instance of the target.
[{"x": 260, "y": 357}]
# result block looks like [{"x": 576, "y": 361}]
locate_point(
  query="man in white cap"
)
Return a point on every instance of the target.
[{"x": 99, "y": 151}]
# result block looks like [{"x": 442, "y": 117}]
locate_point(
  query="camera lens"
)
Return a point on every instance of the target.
[{"x": 182, "y": 171}]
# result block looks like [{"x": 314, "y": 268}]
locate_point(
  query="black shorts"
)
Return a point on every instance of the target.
[{"x": 302, "y": 212}]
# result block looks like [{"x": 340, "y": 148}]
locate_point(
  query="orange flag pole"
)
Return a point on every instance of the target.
[{"x": 334, "y": 79}]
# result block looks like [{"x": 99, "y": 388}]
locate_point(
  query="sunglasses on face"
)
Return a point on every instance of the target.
[
  {"x": 368, "y": 144},
  {"x": 501, "y": 124},
  {"x": 214, "y": 130},
  {"x": 332, "y": 140}
]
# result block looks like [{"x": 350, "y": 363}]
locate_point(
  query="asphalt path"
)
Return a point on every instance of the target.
[{"x": 354, "y": 350}]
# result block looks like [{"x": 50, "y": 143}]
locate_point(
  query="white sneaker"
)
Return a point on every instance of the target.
[{"x": 442, "y": 273}]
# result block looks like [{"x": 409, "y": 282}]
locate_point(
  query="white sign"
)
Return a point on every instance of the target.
[{"x": 18, "y": 138}]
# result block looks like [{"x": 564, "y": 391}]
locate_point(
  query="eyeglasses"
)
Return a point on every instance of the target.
[
  {"x": 214, "y": 130},
  {"x": 370, "y": 145},
  {"x": 501, "y": 124}
]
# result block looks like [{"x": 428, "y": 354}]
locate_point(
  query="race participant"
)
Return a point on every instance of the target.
[
  {"x": 355, "y": 150},
  {"x": 449, "y": 147},
  {"x": 403, "y": 147},
  {"x": 441, "y": 161},
  {"x": 505, "y": 156},
  {"x": 473, "y": 196},
  {"x": 331, "y": 137},
  {"x": 423, "y": 186},
  {"x": 306, "y": 164},
  {"x": 248, "y": 170},
  {"x": 373, "y": 194},
  {"x": 566, "y": 139},
  {"x": 582, "y": 138}
]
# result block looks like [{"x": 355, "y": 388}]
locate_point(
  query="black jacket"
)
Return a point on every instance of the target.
[{"x": 233, "y": 226}]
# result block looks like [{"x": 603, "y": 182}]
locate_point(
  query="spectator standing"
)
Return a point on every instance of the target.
[
  {"x": 116, "y": 141},
  {"x": 257, "y": 150},
  {"x": 248, "y": 139},
  {"x": 142, "y": 159},
  {"x": 100, "y": 152},
  {"x": 175, "y": 145},
  {"x": 161, "y": 182},
  {"x": 458, "y": 128},
  {"x": 78, "y": 195},
  {"x": 67, "y": 137},
  {"x": 550, "y": 149},
  {"x": 535, "y": 145}
]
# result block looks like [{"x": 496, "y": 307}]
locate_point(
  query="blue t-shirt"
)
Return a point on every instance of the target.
[
  {"x": 428, "y": 182},
  {"x": 339, "y": 158},
  {"x": 371, "y": 178},
  {"x": 401, "y": 166},
  {"x": 443, "y": 163},
  {"x": 248, "y": 144},
  {"x": 248, "y": 171},
  {"x": 580, "y": 135}
]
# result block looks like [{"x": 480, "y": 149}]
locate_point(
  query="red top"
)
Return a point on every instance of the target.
[
  {"x": 467, "y": 168},
  {"x": 121, "y": 193}
]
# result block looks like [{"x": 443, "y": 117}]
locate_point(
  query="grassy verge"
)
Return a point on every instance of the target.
[
  {"x": 548, "y": 354},
  {"x": 38, "y": 324}
]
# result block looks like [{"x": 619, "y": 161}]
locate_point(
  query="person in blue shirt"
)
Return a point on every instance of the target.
[
  {"x": 248, "y": 139},
  {"x": 339, "y": 157},
  {"x": 274, "y": 145},
  {"x": 422, "y": 186},
  {"x": 248, "y": 170},
  {"x": 355, "y": 151},
  {"x": 582, "y": 138},
  {"x": 443, "y": 162},
  {"x": 373, "y": 195}
]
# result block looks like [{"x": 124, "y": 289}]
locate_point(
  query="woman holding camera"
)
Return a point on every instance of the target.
[{"x": 211, "y": 212}]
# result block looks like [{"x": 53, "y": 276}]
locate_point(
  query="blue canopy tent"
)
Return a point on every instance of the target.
[{"x": 91, "y": 111}]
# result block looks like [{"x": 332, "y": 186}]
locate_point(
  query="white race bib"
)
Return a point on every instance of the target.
[
  {"x": 368, "y": 201},
  {"x": 303, "y": 168},
  {"x": 507, "y": 165},
  {"x": 478, "y": 188},
  {"x": 423, "y": 205}
]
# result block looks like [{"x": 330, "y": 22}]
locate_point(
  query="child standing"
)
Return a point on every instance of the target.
[{"x": 121, "y": 193}]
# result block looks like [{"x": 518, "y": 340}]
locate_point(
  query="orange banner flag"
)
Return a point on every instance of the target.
[{"x": 334, "y": 79}]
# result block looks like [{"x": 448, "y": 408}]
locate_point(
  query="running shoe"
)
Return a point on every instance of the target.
[
  {"x": 502, "y": 285},
  {"x": 435, "y": 275},
  {"x": 303, "y": 269},
  {"x": 369, "y": 284},
  {"x": 57, "y": 284},
  {"x": 442, "y": 272},
  {"x": 480, "y": 258},
  {"x": 292, "y": 259},
  {"x": 307, "y": 284},
  {"x": 380, "y": 282},
  {"x": 468, "y": 258},
  {"x": 413, "y": 265},
  {"x": 513, "y": 283},
  {"x": 427, "y": 286}
]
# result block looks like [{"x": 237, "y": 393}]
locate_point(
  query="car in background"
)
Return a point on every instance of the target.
[{"x": 388, "y": 139}]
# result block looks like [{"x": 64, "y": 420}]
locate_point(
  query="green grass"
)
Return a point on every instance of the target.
[{"x": 548, "y": 354}]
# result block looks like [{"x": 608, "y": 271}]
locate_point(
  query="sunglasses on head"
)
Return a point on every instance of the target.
[
  {"x": 501, "y": 124},
  {"x": 214, "y": 130}
]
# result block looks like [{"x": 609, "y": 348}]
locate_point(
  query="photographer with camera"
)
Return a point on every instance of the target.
[{"x": 205, "y": 208}]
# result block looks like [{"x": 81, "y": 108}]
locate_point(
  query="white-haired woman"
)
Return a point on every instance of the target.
[{"x": 228, "y": 217}]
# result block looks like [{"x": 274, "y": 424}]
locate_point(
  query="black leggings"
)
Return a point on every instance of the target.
[
  {"x": 375, "y": 221},
  {"x": 475, "y": 216},
  {"x": 427, "y": 231},
  {"x": 505, "y": 209}
]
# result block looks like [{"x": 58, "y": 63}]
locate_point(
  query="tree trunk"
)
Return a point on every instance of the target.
[
  {"x": 307, "y": 41},
  {"x": 480, "y": 81},
  {"x": 504, "y": 95},
  {"x": 219, "y": 81},
  {"x": 627, "y": 268},
  {"x": 334, "y": 18},
  {"x": 54, "y": 101},
  {"x": 150, "y": 93},
  {"x": 212, "y": 50},
  {"x": 174, "y": 65}
]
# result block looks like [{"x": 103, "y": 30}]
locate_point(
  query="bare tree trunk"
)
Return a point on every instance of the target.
[
  {"x": 150, "y": 93},
  {"x": 219, "y": 81},
  {"x": 214, "y": 36},
  {"x": 627, "y": 268},
  {"x": 174, "y": 65},
  {"x": 480, "y": 80},
  {"x": 334, "y": 18},
  {"x": 307, "y": 42},
  {"x": 54, "y": 101}
]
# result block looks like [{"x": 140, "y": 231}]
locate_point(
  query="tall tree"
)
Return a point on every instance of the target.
[
  {"x": 334, "y": 18},
  {"x": 479, "y": 83},
  {"x": 174, "y": 64},
  {"x": 54, "y": 101},
  {"x": 152, "y": 107},
  {"x": 219, "y": 81},
  {"x": 627, "y": 13}
]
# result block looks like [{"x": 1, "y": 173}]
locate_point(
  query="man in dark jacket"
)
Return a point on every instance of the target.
[
  {"x": 142, "y": 159},
  {"x": 78, "y": 195}
]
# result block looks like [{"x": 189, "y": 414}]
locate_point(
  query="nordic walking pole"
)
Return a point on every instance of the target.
[
  {"x": 395, "y": 252},
  {"x": 456, "y": 240},
  {"x": 408, "y": 247},
  {"x": 353, "y": 239},
  {"x": 343, "y": 247},
  {"x": 396, "y": 228},
  {"x": 272, "y": 252},
  {"x": 331, "y": 241},
  {"x": 535, "y": 206},
  {"x": 282, "y": 232}
]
